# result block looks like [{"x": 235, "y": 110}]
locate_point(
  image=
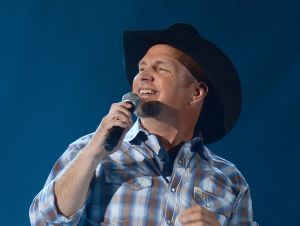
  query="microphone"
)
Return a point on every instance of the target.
[{"x": 116, "y": 131}]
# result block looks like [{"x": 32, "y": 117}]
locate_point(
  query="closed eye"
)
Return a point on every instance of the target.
[{"x": 163, "y": 69}]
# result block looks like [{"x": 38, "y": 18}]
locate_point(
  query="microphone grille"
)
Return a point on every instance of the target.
[{"x": 132, "y": 98}]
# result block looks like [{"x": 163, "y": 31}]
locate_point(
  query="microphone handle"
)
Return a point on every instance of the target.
[
  {"x": 113, "y": 138},
  {"x": 115, "y": 134}
]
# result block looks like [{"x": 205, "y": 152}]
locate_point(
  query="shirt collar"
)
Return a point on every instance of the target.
[
  {"x": 134, "y": 131},
  {"x": 137, "y": 133},
  {"x": 198, "y": 147}
]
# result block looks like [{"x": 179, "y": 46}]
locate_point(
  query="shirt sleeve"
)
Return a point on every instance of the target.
[
  {"x": 242, "y": 209},
  {"x": 43, "y": 210}
]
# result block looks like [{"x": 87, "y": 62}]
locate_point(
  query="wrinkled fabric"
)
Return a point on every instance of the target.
[{"x": 130, "y": 186}]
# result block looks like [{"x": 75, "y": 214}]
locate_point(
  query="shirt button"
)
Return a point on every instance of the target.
[
  {"x": 168, "y": 222},
  {"x": 173, "y": 189},
  {"x": 180, "y": 162}
]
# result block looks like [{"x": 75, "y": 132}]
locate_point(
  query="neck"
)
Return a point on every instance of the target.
[{"x": 170, "y": 133}]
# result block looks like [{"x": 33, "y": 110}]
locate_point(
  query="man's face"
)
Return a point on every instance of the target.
[{"x": 162, "y": 77}]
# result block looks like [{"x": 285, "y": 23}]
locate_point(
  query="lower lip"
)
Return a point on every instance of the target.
[{"x": 147, "y": 95}]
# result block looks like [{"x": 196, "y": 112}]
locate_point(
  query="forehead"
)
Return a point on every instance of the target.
[
  {"x": 170, "y": 54},
  {"x": 163, "y": 50}
]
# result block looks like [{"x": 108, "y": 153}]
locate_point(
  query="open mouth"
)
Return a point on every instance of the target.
[{"x": 147, "y": 93}]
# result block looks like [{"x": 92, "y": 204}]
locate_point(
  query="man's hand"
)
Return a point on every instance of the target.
[
  {"x": 119, "y": 115},
  {"x": 198, "y": 216}
]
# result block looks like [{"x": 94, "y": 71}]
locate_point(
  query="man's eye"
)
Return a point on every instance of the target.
[
  {"x": 141, "y": 69},
  {"x": 163, "y": 69}
]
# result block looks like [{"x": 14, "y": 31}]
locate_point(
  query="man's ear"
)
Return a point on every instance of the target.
[{"x": 200, "y": 92}]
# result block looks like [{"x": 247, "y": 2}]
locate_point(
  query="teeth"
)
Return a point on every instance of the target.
[{"x": 147, "y": 91}]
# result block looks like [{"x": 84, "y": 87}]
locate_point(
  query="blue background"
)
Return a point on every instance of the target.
[{"x": 61, "y": 67}]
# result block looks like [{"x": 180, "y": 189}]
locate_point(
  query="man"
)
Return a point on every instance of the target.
[{"x": 160, "y": 173}]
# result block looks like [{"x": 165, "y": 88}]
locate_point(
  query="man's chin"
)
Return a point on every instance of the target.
[{"x": 145, "y": 99}]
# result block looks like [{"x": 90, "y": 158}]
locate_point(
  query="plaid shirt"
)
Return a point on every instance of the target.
[{"x": 131, "y": 188}]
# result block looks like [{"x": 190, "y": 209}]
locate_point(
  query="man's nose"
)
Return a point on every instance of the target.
[{"x": 146, "y": 76}]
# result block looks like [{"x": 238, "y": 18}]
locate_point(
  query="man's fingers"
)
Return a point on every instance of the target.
[
  {"x": 197, "y": 224},
  {"x": 122, "y": 106},
  {"x": 194, "y": 217},
  {"x": 119, "y": 115},
  {"x": 198, "y": 215},
  {"x": 121, "y": 124},
  {"x": 193, "y": 209}
]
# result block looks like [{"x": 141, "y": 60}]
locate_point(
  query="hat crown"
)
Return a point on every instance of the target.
[{"x": 184, "y": 27}]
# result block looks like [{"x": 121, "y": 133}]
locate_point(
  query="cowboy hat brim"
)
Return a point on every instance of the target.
[{"x": 223, "y": 102}]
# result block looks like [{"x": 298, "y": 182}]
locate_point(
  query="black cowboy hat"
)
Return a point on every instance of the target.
[{"x": 223, "y": 103}]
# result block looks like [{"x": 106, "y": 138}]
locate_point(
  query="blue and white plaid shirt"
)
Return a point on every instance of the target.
[{"x": 129, "y": 187}]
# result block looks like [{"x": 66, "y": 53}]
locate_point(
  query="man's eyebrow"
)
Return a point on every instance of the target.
[
  {"x": 141, "y": 62},
  {"x": 157, "y": 62},
  {"x": 160, "y": 62}
]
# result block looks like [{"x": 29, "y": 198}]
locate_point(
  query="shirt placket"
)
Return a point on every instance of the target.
[{"x": 172, "y": 201}]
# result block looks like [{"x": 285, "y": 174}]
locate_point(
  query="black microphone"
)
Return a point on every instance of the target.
[{"x": 116, "y": 131}]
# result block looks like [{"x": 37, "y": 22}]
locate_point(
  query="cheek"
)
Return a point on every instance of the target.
[
  {"x": 135, "y": 84},
  {"x": 167, "y": 83},
  {"x": 179, "y": 94}
]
